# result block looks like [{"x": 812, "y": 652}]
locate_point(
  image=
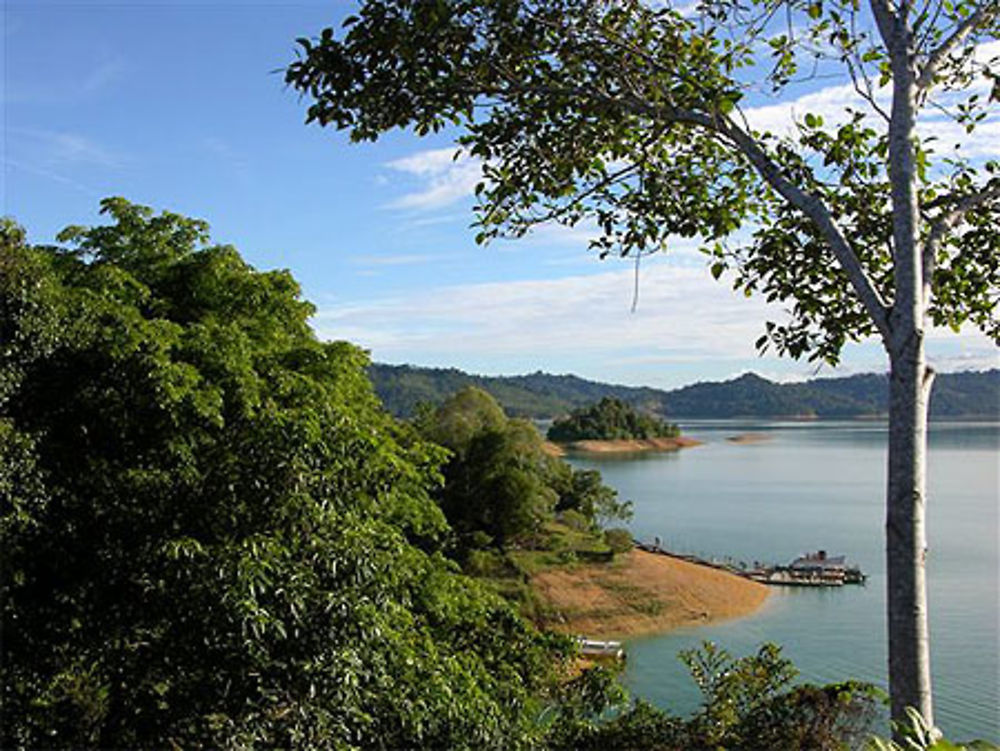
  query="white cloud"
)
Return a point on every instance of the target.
[
  {"x": 79, "y": 85},
  {"x": 232, "y": 159},
  {"x": 54, "y": 148},
  {"x": 682, "y": 314},
  {"x": 444, "y": 179},
  {"x": 583, "y": 324},
  {"x": 832, "y": 102},
  {"x": 975, "y": 359},
  {"x": 829, "y": 103},
  {"x": 102, "y": 77}
]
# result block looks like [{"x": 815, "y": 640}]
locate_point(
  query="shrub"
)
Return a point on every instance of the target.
[
  {"x": 575, "y": 520},
  {"x": 618, "y": 539}
]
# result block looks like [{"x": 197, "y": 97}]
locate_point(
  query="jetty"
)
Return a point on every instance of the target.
[{"x": 808, "y": 570}]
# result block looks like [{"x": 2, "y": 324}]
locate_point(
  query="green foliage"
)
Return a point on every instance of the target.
[
  {"x": 749, "y": 703},
  {"x": 916, "y": 734},
  {"x": 500, "y": 483},
  {"x": 610, "y": 419},
  {"x": 213, "y": 535},
  {"x": 583, "y": 490},
  {"x": 463, "y": 416},
  {"x": 627, "y": 115},
  {"x": 495, "y": 483},
  {"x": 575, "y": 520},
  {"x": 618, "y": 539},
  {"x": 497, "y": 488}
]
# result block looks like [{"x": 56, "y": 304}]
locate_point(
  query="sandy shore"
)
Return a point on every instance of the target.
[
  {"x": 642, "y": 593},
  {"x": 621, "y": 446}
]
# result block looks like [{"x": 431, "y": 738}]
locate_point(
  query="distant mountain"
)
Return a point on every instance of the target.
[{"x": 972, "y": 395}]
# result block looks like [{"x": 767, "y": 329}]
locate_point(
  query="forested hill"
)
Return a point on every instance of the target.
[{"x": 541, "y": 395}]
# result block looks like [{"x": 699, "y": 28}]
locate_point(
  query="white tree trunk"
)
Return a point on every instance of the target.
[
  {"x": 909, "y": 389},
  {"x": 906, "y": 540}
]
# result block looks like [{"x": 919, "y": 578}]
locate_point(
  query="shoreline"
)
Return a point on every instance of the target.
[
  {"x": 642, "y": 593},
  {"x": 620, "y": 446}
]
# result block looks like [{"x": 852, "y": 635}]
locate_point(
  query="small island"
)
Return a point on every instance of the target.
[
  {"x": 748, "y": 438},
  {"x": 612, "y": 426}
]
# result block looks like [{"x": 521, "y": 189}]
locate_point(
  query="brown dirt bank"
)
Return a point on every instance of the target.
[
  {"x": 642, "y": 593},
  {"x": 622, "y": 446}
]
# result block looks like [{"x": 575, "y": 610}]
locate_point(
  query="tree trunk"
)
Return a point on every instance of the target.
[
  {"x": 909, "y": 389},
  {"x": 906, "y": 541}
]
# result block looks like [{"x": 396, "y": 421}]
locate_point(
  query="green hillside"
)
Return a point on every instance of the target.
[{"x": 970, "y": 395}]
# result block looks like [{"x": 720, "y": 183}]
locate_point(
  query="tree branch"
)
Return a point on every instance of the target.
[
  {"x": 960, "y": 206},
  {"x": 810, "y": 205},
  {"x": 813, "y": 207},
  {"x": 885, "y": 19},
  {"x": 981, "y": 15}
]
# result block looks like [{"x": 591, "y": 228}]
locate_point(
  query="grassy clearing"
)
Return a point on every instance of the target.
[{"x": 556, "y": 546}]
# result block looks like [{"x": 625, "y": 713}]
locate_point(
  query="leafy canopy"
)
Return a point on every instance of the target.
[
  {"x": 629, "y": 117},
  {"x": 213, "y": 535}
]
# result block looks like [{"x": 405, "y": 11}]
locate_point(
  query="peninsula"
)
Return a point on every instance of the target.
[{"x": 641, "y": 593}]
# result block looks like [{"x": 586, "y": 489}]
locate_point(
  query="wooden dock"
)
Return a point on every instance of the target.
[{"x": 810, "y": 570}]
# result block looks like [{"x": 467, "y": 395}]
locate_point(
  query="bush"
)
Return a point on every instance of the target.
[
  {"x": 748, "y": 704},
  {"x": 575, "y": 520},
  {"x": 618, "y": 539}
]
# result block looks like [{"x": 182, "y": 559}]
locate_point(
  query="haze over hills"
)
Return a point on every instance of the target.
[{"x": 967, "y": 395}]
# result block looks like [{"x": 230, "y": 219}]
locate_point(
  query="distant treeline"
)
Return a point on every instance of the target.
[{"x": 971, "y": 395}]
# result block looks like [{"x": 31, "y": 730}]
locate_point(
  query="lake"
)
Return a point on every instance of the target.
[{"x": 821, "y": 485}]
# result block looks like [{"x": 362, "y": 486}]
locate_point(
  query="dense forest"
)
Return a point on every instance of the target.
[
  {"x": 609, "y": 419},
  {"x": 215, "y": 536},
  {"x": 971, "y": 395}
]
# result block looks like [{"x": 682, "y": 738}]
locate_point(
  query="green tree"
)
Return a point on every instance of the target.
[
  {"x": 463, "y": 415},
  {"x": 497, "y": 480},
  {"x": 629, "y": 115},
  {"x": 212, "y": 533},
  {"x": 609, "y": 419},
  {"x": 584, "y": 491},
  {"x": 497, "y": 489}
]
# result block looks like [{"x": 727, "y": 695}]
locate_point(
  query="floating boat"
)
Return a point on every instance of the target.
[
  {"x": 594, "y": 648},
  {"x": 811, "y": 570}
]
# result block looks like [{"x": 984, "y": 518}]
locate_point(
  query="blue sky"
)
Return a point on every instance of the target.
[{"x": 176, "y": 105}]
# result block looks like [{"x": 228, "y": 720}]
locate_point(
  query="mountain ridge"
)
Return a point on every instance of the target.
[{"x": 540, "y": 395}]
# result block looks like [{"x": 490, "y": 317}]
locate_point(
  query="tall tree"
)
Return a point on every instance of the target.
[
  {"x": 497, "y": 480},
  {"x": 630, "y": 116}
]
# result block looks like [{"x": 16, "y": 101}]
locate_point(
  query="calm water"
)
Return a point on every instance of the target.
[{"x": 821, "y": 486}]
